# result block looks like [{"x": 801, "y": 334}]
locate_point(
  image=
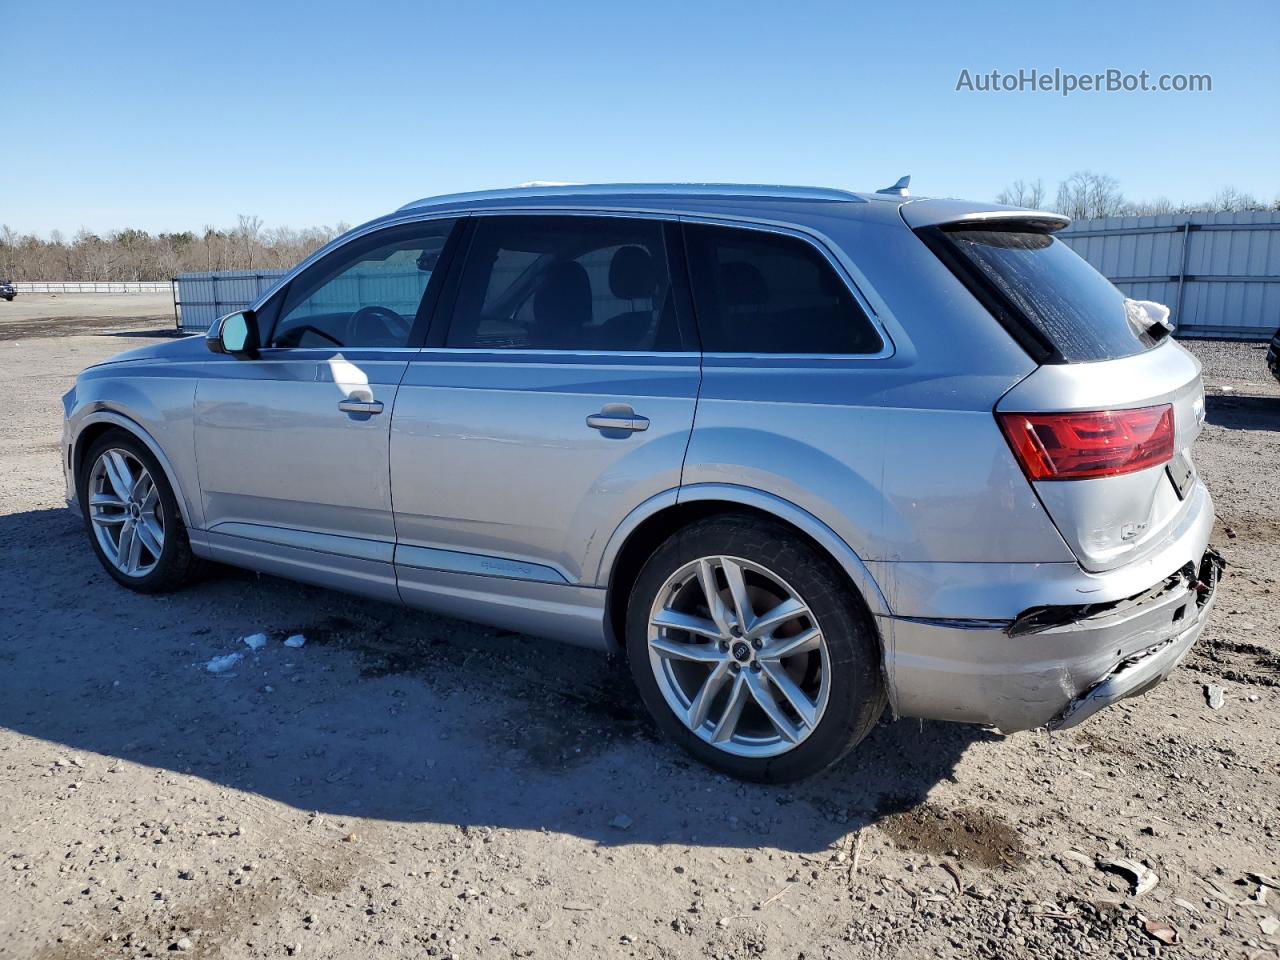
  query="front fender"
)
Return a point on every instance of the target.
[{"x": 159, "y": 416}]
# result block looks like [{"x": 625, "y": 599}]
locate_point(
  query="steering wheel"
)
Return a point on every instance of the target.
[
  {"x": 377, "y": 326},
  {"x": 295, "y": 333}
]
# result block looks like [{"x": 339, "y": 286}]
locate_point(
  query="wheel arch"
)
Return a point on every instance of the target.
[
  {"x": 658, "y": 518},
  {"x": 99, "y": 422}
]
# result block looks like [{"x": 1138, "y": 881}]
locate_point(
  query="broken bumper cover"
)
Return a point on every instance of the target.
[
  {"x": 1052, "y": 666},
  {"x": 1139, "y": 673}
]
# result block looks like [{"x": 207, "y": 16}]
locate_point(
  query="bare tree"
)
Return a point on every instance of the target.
[
  {"x": 246, "y": 235},
  {"x": 1023, "y": 194},
  {"x": 8, "y": 252},
  {"x": 1085, "y": 195},
  {"x": 139, "y": 255},
  {"x": 1229, "y": 198},
  {"x": 1149, "y": 208}
]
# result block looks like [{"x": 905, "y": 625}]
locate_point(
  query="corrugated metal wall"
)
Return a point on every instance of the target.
[
  {"x": 1219, "y": 273},
  {"x": 200, "y": 298},
  {"x": 387, "y": 285}
]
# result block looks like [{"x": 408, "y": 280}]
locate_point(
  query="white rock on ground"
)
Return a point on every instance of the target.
[{"x": 224, "y": 663}]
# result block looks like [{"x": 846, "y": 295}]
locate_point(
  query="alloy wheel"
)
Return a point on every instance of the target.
[
  {"x": 739, "y": 657},
  {"x": 126, "y": 512}
]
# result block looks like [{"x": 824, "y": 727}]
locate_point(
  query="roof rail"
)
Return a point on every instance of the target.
[{"x": 754, "y": 190}]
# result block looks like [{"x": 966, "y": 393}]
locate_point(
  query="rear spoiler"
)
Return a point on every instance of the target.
[{"x": 921, "y": 214}]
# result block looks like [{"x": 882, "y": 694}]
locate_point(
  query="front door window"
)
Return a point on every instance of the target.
[{"x": 367, "y": 294}]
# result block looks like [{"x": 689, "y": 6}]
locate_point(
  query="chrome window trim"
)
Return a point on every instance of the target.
[
  {"x": 516, "y": 351},
  {"x": 320, "y": 353},
  {"x": 835, "y": 357}
]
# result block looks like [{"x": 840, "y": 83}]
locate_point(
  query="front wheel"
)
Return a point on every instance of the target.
[
  {"x": 132, "y": 516},
  {"x": 752, "y": 651}
]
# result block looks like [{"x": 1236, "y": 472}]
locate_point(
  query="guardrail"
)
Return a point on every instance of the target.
[{"x": 93, "y": 286}]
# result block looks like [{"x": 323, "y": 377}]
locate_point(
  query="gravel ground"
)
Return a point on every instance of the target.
[
  {"x": 1233, "y": 366},
  {"x": 411, "y": 786}
]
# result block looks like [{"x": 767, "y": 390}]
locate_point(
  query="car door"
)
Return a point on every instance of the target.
[
  {"x": 291, "y": 445},
  {"x": 560, "y": 397}
]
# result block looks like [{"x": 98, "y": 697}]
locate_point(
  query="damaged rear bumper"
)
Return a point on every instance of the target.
[
  {"x": 1052, "y": 666},
  {"x": 1140, "y": 672}
]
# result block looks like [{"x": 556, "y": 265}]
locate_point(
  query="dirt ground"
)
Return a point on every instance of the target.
[
  {"x": 409, "y": 786},
  {"x": 39, "y": 315}
]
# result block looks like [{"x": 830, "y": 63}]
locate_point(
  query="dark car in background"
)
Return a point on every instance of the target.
[
  {"x": 1273, "y": 355},
  {"x": 7, "y": 290}
]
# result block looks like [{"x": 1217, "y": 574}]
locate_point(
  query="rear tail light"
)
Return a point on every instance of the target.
[{"x": 1076, "y": 446}]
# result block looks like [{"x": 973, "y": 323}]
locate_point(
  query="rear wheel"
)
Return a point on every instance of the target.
[
  {"x": 751, "y": 650},
  {"x": 132, "y": 516}
]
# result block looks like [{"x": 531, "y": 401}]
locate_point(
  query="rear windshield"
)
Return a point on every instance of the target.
[{"x": 1046, "y": 285}]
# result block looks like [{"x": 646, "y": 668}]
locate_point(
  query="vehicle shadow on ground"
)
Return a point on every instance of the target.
[
  {"x": 393, "y": 714},
  {"x": 1243, "y": 413},
  {"x": 150, "y": 333}
]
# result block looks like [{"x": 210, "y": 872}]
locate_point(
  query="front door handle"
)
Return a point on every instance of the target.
[
  {"x": 360, "y": 406},
  {"x": 618, "y": 416}
]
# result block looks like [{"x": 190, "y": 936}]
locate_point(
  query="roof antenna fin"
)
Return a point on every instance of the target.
[{"x": 899, "y": 189}]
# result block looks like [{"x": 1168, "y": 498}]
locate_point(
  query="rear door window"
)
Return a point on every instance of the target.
[
  {"x": 761, "y": 292},
  {"x": 578, "y": 283},
  {"x": 1046, "y": 286}
]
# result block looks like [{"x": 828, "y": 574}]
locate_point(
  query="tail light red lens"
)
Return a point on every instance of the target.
[{"x": 1077, "y": 446}]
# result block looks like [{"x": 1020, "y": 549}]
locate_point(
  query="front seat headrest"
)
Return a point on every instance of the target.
[{"x": 631, "y": 274}]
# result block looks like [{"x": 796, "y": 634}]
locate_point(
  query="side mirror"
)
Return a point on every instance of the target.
[{"x": 235, "y": 334}]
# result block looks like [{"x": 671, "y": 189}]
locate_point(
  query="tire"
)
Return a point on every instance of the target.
[
  {"x": 836, "y": 670},
  {"x": 174, "y": 565}
]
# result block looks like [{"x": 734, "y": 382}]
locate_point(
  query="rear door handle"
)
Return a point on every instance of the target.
[
  {"x": 618, "y": 420},
  {"x": 360, "y": 406}
]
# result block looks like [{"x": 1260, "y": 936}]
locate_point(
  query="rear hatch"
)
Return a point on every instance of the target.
[{"x": 1103, "y": 427}]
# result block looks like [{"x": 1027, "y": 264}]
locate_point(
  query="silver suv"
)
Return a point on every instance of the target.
[{"x": 794, "y": 453}]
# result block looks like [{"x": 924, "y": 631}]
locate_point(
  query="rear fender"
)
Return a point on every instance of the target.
[{"x": 784, "y": 510}]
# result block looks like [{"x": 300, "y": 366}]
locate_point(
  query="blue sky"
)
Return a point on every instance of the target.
[{"x": 172, "y": 115}]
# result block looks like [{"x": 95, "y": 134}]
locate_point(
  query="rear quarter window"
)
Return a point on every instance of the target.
[
  {"x": 1030, "y": 278},
  {"x": 760, "y": 292}
]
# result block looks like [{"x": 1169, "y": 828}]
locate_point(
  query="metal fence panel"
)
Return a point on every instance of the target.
[
  {"x": 1219, "y": 273},
  {"x": 200, "y": 298}
]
